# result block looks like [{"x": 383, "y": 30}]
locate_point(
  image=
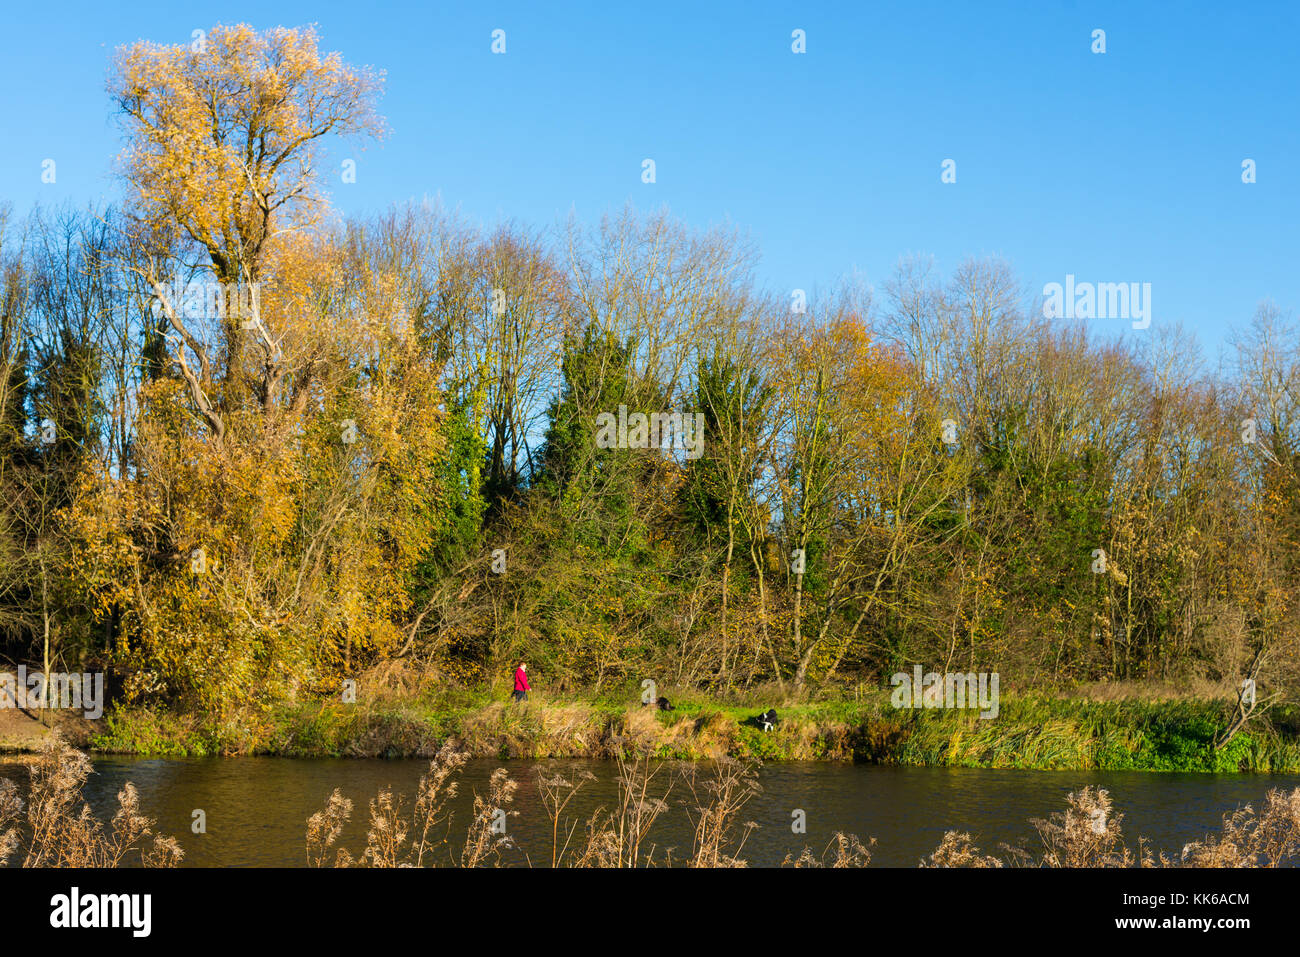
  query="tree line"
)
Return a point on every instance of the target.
[{"x": 249, "y": 448}]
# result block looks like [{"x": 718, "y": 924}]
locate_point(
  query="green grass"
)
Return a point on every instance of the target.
[{"x": 1057, "y": 734}]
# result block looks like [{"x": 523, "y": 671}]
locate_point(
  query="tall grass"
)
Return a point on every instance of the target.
[
  {"x": 1086, "y": 834},
  {"x": 55, "y": 827}
]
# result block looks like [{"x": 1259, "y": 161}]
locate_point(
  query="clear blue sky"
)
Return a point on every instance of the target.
[{"x": 1123, "y": 166}]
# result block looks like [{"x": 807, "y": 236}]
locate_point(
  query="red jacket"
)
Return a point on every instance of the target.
[{"x": 521, "y": 680}]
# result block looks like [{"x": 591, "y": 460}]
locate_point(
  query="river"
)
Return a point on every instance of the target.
[{"x": 256, "y": 808}]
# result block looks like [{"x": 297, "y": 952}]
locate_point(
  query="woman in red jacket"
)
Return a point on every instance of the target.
[{"x": 521, "y": 683}]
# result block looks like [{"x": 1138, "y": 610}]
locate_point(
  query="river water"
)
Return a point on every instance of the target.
[{"x": 257, "y": 808}]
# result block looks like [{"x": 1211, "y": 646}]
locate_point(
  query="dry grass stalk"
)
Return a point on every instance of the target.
[
  {"x": 388, "y": 842},
  {"x": 436, "y": 788},
  {"x": 957, "y": 849},
  {"x": 556, "y": 792},
  {"x": 323, "y": 830},
  {"x": 57, "y": 828},
  {"x": 487, "y": 834},
  {"x": 1270, "y": 838},
  {"x": 1086, "y": 834},
  {"x": 849, "y": 852},
  {"x": 619, "y": 838},
  {"x": 719, "y": 835}
]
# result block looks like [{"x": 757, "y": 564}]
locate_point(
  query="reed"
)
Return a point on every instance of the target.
[{"x": 55, "y": 827}]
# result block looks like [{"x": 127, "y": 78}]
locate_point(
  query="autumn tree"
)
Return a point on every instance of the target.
[{"x": 222, "y": 158}]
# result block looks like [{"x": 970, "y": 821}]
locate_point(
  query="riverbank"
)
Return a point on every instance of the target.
[
  {"x": 1030, "y": 732},
  {"x": 22, "y": 732}
]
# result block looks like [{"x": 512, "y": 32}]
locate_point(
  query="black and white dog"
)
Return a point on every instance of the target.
[{"x": 767, "y": 720}]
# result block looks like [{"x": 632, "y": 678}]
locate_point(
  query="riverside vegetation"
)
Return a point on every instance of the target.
[
  {"x": 1037, "y": 732},
  {"x": 252, "y": 451},
  {"x": 54, "y": 827}
]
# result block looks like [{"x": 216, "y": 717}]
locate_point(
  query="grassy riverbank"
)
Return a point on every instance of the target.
[{"x": 1038, "y": 732}]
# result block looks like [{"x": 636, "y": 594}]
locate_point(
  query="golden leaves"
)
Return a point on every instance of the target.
[{"x": 223, "y": 142}]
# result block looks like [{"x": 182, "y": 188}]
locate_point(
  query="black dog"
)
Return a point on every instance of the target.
[
  {"x": 664, "y": 704},
  {"x": 766, "y": 721}
]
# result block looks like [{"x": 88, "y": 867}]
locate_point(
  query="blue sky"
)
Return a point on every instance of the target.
[{"x": 1122, "y": 166}]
